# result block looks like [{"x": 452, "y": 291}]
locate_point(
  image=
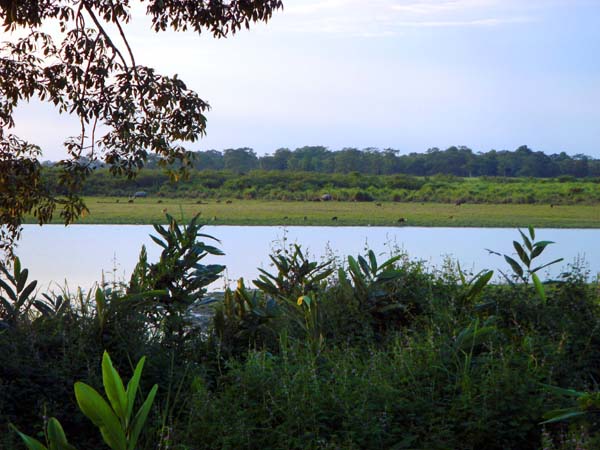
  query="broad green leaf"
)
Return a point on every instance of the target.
[
  {"x": 158, "y": 241},
  {"x": 22, "y": 279},
  {"x": 30, "y": 443},
  {"x": 539, "y": 247},
  {"x": 56, "y": 436},
  {"x": 548, "y": 264},
  {"x": 526, "y": 241},
  {"x": 99, "y": 412},
  {"x": 27, "y": 292},
  {"x": 565, "y": 416},
  {"x": 140, "y": 418},
  {"x": 522, "y": 255},
  {"x": 133, "y": 385},
  {"x": 517, "y": 269},
  {"x": 6, "y": 288},
  {"x": 563, "y": 391},
  {"x": 364, "y": 266},
  {"x": 391, "y": 261},
  {"x": 373, "y": 261},
  {"x": 113, "y": 386},
  {"x": 539, "y": 287},
  {"x": 480, "y": 282},
  {"x": 531, "y": 232},
  {"x": 16, "y": 269}
]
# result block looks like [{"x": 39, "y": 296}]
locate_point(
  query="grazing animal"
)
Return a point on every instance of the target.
[
  {"x": 117, "y": 200},
  {"x": 199, "y": 202},
  {"x": 377, "y": 204},
  {"x": 334, "y": 218},
  {"x": 285, "y": 217},
  {"x": 164, "y": 210},
  {"x": 305, "y": 218},
  {"x": 401, "y": 220},
  {"x": 459, "y": 202},
  {"x": 229, "y": 202},
  {"x": 551, "y": 205},
  {"x": 160, "y": 201},
  {"x": 130, "y": 200},
  {"x": 218, "y": 201}
]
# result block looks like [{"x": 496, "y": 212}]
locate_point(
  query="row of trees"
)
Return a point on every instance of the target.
[{"x": 459, "y": 161}]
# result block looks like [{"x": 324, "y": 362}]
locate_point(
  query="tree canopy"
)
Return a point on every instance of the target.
[{"x": 92, "y": 73}]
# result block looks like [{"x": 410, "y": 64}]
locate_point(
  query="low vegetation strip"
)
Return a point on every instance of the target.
[{"x": 111, "y": 210}]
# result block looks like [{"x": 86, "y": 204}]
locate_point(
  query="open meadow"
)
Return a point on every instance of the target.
[{"x": 105, "y": 210}]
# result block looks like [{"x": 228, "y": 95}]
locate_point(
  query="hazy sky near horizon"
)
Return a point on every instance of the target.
[{"x": 405, "y": 74}]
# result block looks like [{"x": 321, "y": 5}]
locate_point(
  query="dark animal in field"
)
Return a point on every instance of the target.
[
  {"x": 460, "y": 202},
  {"x": 199, "y": 202},
  {"x": 117, "y": 200},
  {"x": 377, "y": 204},
  {"x": 326, "y": 197},
  {"x": 551, "y": 205},
  {"x": 401, "y": 220},
  {"x": 130, "y": 200},
  {"x": 217, "y": 201},
  {"x": 160, "y": 201},
  {"x": 334, "y": 218},
  {"x": 285, "y": 217},
  {"x": 229, "y": 202},
  {"x": 305, "y": 218}
]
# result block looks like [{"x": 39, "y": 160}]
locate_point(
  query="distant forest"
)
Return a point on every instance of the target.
[{"x": 458, "y": 161}]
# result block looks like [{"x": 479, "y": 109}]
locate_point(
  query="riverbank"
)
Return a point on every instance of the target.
[{"x": 112, "y": 210}]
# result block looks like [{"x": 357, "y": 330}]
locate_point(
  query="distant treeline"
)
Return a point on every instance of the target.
[{"x": 458, "y": 161}]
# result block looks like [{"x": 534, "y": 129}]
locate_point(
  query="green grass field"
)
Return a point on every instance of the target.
[{"x": 108, "y": 210}]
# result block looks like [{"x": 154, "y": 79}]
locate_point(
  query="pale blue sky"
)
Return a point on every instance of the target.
[{"x": 406, "y": 74}]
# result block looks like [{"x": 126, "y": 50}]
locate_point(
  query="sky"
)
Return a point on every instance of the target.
[{"x": 402, "y": 74}]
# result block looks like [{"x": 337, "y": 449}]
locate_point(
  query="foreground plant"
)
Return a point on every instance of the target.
[
  {"x": 523, "y": 271},
  {"x": 17, "y": 300},
  {"x": 120, "y": 429}
]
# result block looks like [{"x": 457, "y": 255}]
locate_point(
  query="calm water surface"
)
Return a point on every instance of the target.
[{"x": 81, "y": 254}]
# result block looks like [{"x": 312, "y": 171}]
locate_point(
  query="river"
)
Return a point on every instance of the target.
[{"x": 82, "y": 254}]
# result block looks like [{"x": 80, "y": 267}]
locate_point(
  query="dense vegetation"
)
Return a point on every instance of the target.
[
  {"x": 281, "y": 185},
  {"x": 458, "y": 161},
  {"x": 315, "y": 355}
]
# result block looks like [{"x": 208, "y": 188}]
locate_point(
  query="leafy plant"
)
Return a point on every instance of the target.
[
  {"x": 16, "y": 301},
  {"x": 527, "y": 252},
  {"x": 178, "y": 274},
  {"x": 377, "y": 287},
  {"x": 245, "y": 316},
  {"x": 296, "y": 275},
  {"x": 119, "y": 427}
]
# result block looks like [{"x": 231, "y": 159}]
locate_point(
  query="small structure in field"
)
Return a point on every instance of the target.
[
  {"x": 326, "y": 197},
  {"x": 140, "y": 194}
]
